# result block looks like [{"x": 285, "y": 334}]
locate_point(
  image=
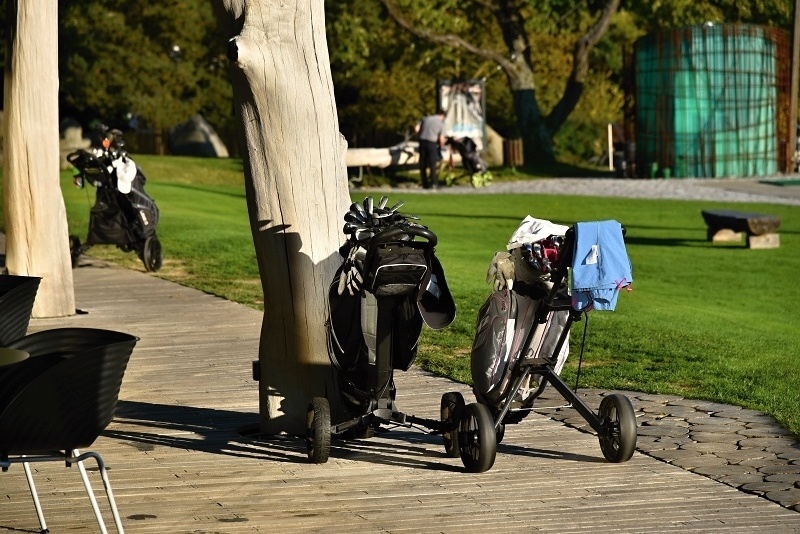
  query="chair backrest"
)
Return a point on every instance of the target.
[
  {"x": 17, "y": 294},
  {"x": 71, "y": 402}
]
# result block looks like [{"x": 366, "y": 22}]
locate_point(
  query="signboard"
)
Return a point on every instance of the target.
[{"x": 464, "y": 105}]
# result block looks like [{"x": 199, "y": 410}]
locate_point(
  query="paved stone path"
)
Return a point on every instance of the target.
[
  {"x": 723, "y": 190},
  {"x": 742, "y": 448}
]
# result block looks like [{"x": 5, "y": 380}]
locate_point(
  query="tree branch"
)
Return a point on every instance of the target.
[
  {"x": 445, "y": 39},
  {"x": 584, "y": 45},
  {"x": 580, "y": 67}
]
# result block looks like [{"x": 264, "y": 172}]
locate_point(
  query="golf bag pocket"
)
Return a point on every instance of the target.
[
  {"x": 107, "y": 222},
  {"x": 345, "y": 338},
  {"x": 396, "y": 269},
  {"x": 406, "y": 330},
  {"x": 406, "y": 333},
  {"x": 502, "y": 324},
  {"x": 352, "y": 330}
]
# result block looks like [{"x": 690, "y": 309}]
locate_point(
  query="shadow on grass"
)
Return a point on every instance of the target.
[{"x": 663, "y": 241}]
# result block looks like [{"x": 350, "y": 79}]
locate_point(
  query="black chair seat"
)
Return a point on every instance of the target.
[{"x": 61, "y": 398}]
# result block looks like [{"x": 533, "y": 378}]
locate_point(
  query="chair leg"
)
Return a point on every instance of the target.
[
  {"x": 39, "y": 513},
  {"x": 79, "y": 458},
  {"x": 89, "y": 491}
]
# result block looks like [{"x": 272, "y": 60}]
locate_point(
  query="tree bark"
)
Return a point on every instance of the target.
[
  {"x": 37, "y": 240},
  {"x": 297, "y": 193}
]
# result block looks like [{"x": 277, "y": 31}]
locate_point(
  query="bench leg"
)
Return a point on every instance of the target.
[
  {"x": 763, "y": 241},
  {"x": 723, "y": 235}
]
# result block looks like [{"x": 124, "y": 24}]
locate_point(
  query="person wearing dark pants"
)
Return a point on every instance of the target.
[{"x": 431, "y": 140}]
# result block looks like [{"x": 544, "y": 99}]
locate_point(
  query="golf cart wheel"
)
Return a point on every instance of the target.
[
  {"x": 152, "y": 256},
  {"x": 452, "y": 405},
  {"x": 318, "y": 428},
  {"x": 74, "y": 250},
  {"x": 476, "y": 438},
  {"x": 618, "y": 437}
]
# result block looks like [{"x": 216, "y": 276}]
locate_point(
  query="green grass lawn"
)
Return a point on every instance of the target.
[{"x": 706, "y": 322}]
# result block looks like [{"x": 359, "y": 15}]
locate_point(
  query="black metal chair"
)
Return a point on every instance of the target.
[
  {"x": 17, "y": 294},
  {"x": 60, "y": 399}
]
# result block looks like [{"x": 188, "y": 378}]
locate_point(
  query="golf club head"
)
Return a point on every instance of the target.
[
  {"x": 356, "y": 207},
  {"x": 363, "y": 234},
  {"x": 382, "y": 203},
  {"x": 368, "y": 205},
  {"x": 381, "y": 214},
  {"x": 350, "y": 228},
  {"x": 397, "y": 206}
]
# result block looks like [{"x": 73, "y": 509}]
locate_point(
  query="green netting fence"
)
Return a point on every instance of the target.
[{"x": 712, "y": 101}]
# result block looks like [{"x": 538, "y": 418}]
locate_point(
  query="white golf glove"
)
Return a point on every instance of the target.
[
  {"x": 351, "y": 278},
  {"x": 501, "y": 271}
]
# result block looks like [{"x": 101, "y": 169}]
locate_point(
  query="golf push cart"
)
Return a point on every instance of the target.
[
  {"x": 123, "y": 214},
  {"x": 552, "y": 277},
  {"x": 389, "y": 284}
]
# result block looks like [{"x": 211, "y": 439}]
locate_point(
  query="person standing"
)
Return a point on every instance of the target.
[{"x": 430, "y": 131}]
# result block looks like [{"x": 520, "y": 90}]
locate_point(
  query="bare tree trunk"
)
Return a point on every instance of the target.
[
  {"x": 297, "y": 192},
  {"x": 37, "y": 242}
]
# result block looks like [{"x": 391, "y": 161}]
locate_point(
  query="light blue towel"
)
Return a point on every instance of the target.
[{"x": 600, "y": 265}]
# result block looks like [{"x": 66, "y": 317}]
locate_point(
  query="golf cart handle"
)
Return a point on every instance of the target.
[
  {"x": 560, "y": 273},
  {"x": 392, "y": 233},
  {"x": 72, "y": 157},
  {"x": 87, "y": 156},
  {"x": 568, "y": 250}
]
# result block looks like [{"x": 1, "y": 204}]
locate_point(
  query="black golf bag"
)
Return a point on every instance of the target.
[
  {"x": 123, "y": 214},
  {"x": 504, "y": 324},
  {"x": 389, "y": 285},
  {"x": 468, "y": 151}
]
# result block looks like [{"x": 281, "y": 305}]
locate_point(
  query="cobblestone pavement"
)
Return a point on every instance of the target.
[{"x": 742, "y": 448}]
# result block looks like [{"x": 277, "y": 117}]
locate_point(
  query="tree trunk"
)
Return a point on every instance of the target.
[
  {"x": 537, "y": 141},
  {"x": 37, "y": 241},
  {"x": 297, "y": 193}
]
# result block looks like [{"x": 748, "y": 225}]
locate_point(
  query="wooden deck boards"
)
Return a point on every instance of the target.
[{"x": 181, "y": 460}]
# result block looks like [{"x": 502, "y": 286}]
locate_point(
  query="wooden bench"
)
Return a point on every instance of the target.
[{"x": 728, "y": 226}]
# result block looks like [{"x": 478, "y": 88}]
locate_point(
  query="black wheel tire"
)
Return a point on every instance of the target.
[
  {"x": 618, "y": 439},
  {"x": 452, "y": 405},
  {"x": 151, "y": 255},
  {"x": 318, "y": 430},
  {"x": 74, "y": 250},
  {"x": 477, "y": 442}
]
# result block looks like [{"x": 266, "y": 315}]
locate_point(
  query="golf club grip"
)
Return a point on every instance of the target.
[{"x": 391, "y": 233}]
